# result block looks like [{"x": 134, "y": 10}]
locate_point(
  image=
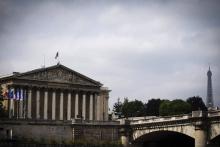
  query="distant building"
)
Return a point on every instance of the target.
[
  {"x": 54, "y": 93},
  {"x": 209, "y": 100}
]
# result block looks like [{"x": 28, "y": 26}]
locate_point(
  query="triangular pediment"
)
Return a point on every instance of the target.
[{"x": 58, "y": 73}]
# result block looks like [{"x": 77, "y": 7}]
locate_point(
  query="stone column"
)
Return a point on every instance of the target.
[
  {"x": 11, "y": 108},
  {"x": 29, "y": 103},
  {"x": 98, "y": 111},
  {"x": 69, "y": 106},
  {"x": 84, "y": 107},
  {"x": 124, "y": 134},
  {"x": 101, "y": 107},
  {"x": 76, "y": 104},
  {"x": 38, "y": 104},
  {"x": 106, "y": 108},
  {"x": 124, "y": 141},
  {"x": 53, "y": 105},
  {"x": 21, "y": 104},
  {"x": 45, "y": 104},
  {"x": 24, "y": 113},
  {"x": 91, "y": 107},
  {"x": 21, "y": 109},
  {"x": 61, "y": 105},
  {"x": 201, "y": 127},
  {"x": 200, "y": 137},
  {"x": 95, "y": 107}
]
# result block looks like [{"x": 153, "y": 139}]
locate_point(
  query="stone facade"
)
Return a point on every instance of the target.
[
  {"x": 202, "y": 127},
  {"x": 60, "y": 131},
  {"x": 56, "y": 104},
  {"x": 55, "y": 93}
]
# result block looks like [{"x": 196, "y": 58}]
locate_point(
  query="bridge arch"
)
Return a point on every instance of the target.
[
  {"x": 214, "y": 136},
  {"x": 214, "y": 130},
  {"x": 188, "y": 130},
  {"x": 165, "y": 138},
  {"x": 215, "y": 141}
]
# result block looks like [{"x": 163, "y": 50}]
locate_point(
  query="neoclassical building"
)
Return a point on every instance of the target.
[{"x": 54, "y": 93}]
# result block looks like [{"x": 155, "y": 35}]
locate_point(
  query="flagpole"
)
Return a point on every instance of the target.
[
  {"x": 58, "y": 58},
  {"x": 44, "y": 61}
]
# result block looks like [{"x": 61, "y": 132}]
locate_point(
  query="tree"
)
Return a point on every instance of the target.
[
  {"x": 128, "y": 108},
  {"x": 152, "y": 107},
  {"x": 174, "y": 107},
  {"x": 133, "y": 108},
  {"x": 196, "y": 103},
  {"x": 117, "y": 107},
  {"x": 180, "y": 107},
  {"x": 165, "y": 108}
]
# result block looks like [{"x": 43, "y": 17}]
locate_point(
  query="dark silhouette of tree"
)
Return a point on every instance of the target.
[
  {"x": 175, "y": 107},
  {"x": 133, "y": 108},
  {"x": 152, "y": 107},
  {"x": 117, "y": 107},
  {"x": 156, "y": 107},
  {"x": 196, "y": 103},
  {"x": 165, "y": 108}
]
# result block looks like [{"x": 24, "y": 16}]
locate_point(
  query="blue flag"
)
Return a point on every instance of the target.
[{"x": 11, "y": 93}]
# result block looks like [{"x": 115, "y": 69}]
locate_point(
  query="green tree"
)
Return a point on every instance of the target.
[
  {"x": 132, "y": 108},
  {"x": 180, "y": 107},
  {"x": 152, "y": 107},
  {"x": 117, "y": 107},
  {"x": 174, "y": 107},
  {"x": 165, "y": 108},
  {"x": 196, "y": 103}
]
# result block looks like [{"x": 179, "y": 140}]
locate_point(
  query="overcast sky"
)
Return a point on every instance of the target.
[{"x": 139, "y": 49}]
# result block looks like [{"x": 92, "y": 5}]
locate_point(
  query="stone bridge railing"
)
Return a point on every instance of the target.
[
  {"x": 93, "y": 122},
  {"x": 160, "y": 119},
  {"x": 196, "y": 123},
  {"x": 154, "y": 119},
  {"x": 214, "y": 113}
]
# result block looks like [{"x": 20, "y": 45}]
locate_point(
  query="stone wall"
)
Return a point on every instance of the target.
[
  {"x": 58, "y": 131},
  {"x": 94, "y": 133},
  {"x": 38, "y": 131}
]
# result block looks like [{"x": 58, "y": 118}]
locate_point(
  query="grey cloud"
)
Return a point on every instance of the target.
[{"x": 140, "y": 49}]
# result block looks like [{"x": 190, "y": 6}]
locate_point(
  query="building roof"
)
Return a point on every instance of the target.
[{"x": 30, "y": 74}]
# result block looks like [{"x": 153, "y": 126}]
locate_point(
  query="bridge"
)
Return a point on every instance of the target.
[{"x": 199, "y": 129}]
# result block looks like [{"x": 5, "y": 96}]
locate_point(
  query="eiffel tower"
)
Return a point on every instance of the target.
[{"x": 209, "y": 100}]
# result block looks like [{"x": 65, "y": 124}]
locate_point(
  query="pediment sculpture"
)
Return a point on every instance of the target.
[{"x": 58, "y": 75}]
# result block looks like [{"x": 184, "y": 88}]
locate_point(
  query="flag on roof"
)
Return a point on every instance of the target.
[{"x": 57, "y": 54}]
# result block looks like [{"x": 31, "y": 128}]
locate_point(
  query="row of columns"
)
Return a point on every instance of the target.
[{"x": 93, "y": 111}]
